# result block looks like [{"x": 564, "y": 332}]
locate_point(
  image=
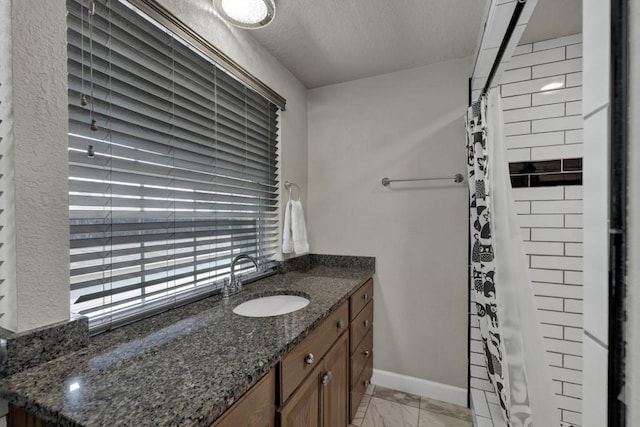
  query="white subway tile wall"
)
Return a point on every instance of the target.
[{"x": 546, "y": 126}]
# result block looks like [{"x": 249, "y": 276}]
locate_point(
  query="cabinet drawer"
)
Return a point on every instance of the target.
[
  {"x": 359, "y": 359},
  {"x": 255, "y": 409},
  {"x": 362, "y": 324},
  {"x": 306, "y": 355},
  {"x": 360, "y": 298},
  {"x": 358, "y": 389}
]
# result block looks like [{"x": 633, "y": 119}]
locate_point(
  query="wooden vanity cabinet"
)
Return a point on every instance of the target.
[
  {"x": 256, "y": 408},
  {"x": 361, "y": 344},
  {"x": 303, "y": 409},
  {"x": 321, "y": 399},
  {"x": 319, "y": 383},
  {"x": 327, "y": 392},
  {"x": 304, "y": 357},
  {"x": 318, "y": 377},
  {"x": 335, "y": 392},
  {"x": 315, "y": 386}
]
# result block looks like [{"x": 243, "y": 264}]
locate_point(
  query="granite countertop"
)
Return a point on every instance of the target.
[{"x": 184, "y": 367}]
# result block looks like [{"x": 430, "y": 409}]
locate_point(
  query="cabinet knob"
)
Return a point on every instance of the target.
[
  {"x": 365, "y": 383},
  {"x": 340, "y": 324},
  {"x": 366, "y": 323},
  {"x": 326, "y": 378},
  {"x": 308, "y": 359},
  {"x": 366, "y": 297},
  {"x": 366, "y": 353}
]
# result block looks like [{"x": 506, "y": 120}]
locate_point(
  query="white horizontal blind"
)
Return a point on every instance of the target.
[{"x": 184, "y": 173}]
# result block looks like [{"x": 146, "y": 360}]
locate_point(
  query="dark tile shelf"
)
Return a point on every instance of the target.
[
  {"x": 552, "y": 179},
  {"x": 545, "y": 166},
  {"x": 546, "y": 173}
]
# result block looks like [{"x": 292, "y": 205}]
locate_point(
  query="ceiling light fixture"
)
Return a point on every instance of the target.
[{"x": 246, "y": 13}]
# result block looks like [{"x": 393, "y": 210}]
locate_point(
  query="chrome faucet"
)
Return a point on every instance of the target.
[{"x": 235, "y": 284}]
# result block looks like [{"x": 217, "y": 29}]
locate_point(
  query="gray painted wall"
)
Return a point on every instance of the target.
[{"x": 400, "y": 125}]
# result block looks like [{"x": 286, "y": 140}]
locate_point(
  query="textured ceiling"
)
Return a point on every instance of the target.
[
  {"x": 331, "y": 41},
  {"x": 553, "y": 18}
]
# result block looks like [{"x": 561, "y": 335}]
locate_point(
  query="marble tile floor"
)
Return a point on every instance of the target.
[{"x": 383, "y": 407}]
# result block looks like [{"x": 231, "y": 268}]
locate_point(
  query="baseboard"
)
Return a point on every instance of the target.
[{"x": 431, "y": 389}]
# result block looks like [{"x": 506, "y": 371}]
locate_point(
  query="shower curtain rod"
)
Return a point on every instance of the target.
[{"x": 503, "y": 46}]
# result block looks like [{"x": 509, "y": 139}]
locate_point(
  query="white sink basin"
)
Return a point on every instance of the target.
[{"x": 271, "y": 306}]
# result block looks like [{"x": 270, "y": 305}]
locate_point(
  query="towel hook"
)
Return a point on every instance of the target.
[{"x": 288, "y": 186}]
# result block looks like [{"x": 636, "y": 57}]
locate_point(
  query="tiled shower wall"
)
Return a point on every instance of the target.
[{"x": 542, "y": 126}]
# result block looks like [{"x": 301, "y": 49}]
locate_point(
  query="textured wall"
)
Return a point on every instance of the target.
[
  {"x": 7, "y": 217},
  {"x": 239, "y": 45},
  {"x": 40, "y": 161},
  {"x": 401, "y": 125},
  {"x": 8, "y": 319}
]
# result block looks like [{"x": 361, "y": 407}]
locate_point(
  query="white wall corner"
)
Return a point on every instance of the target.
[
  {"x": 40, "y": 128},
  {"x": 421, "y": 387}
]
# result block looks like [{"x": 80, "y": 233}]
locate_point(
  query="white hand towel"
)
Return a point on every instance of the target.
[
  {"x": 287, "y": 239},
  {"x": 298, "y": 228}
]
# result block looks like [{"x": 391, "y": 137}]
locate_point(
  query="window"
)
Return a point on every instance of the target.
[{"x": 178, "y": 175}]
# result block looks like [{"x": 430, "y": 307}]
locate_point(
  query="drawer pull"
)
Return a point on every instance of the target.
[
  {"x": 366, "y": 353},
  {"x": 326, "y": 378},
  {"x": 340, "y": 324},
  {"x": 308, "y": 359},
  {"x": 366, "y": 323},
  {"x": 366, "y": 297}
]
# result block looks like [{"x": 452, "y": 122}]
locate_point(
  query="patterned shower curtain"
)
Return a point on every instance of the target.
[
  {"x": 482, "y": 253},
  {"x": 505, "y": 306}
]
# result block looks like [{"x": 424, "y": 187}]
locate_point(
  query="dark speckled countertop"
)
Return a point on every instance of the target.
[{"x": 184, "y": 367}]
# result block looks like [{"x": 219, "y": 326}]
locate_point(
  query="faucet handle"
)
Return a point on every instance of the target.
[
  {"x": 225, "y": 288},
  {"x": 236, "y": 284}
]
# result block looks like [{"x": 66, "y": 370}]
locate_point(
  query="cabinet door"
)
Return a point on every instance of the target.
[
  {"x": 303, "y": 408},
  {"x": 255, "y": 409},
  {"x": 307, "y": 355},
  {"x": 18, "y": 417},
  {"x": 334, "y": 384}
]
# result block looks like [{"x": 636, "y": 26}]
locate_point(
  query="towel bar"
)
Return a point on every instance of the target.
[{"x": 458, "y": 178}]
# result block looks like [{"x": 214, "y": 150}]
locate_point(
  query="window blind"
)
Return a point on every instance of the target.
[{"x": 178, "y": 177}]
